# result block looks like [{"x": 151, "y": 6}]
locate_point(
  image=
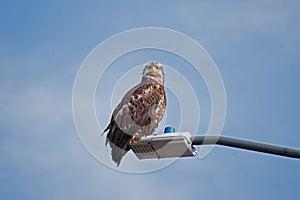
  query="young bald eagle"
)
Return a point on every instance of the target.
[{"x": 138, "y": 113}]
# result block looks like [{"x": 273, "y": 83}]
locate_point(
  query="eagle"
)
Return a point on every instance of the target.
[{"x": 139, "y": 112}]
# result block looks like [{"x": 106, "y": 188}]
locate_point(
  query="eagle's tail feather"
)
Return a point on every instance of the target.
[
  {"x": 119, "y": 143},
  {"x": 117, "y": 154}
]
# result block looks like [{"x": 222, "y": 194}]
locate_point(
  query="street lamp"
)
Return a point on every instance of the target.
[{"x": 182, "y": 144}]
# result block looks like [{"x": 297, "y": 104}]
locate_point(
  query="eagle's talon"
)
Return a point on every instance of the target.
[{"x": 135, "y": 138}]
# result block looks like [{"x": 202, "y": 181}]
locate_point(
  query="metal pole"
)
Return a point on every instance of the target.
[{"x": 244, "y": 144}]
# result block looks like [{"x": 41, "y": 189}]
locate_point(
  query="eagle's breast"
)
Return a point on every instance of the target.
[{"x": 146, "y": 106}]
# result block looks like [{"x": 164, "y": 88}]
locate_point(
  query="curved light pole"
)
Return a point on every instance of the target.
[{"x": 248, "y": 145}]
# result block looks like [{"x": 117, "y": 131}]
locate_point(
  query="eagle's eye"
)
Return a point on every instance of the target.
[{"x": 149, "y": 66}]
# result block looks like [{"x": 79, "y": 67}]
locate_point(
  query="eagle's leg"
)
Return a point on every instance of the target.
[{"x": 134, "y": 138}]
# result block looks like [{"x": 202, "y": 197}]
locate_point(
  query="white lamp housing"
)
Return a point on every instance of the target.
[{"x": 166, "y": 145}]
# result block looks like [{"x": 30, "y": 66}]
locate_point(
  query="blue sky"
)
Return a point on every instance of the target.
[{"x": 255, "y": 45}]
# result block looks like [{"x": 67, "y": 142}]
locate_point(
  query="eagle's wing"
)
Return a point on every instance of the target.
[{"x": 140, "y": 111}]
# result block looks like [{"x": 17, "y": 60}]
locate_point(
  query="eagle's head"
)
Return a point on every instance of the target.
[{"x": 154, "y": 70}]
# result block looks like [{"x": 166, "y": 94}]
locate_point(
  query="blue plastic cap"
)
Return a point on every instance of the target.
[{"x": 169, "y": 129}]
